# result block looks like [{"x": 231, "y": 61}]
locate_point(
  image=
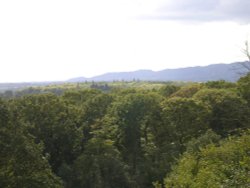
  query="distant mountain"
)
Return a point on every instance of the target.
[
  {"x": 77, "y": 79},
  {"x": 229, "y": 72}
]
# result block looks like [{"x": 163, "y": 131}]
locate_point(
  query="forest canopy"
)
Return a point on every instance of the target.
[{"x": 135, "y": 135}]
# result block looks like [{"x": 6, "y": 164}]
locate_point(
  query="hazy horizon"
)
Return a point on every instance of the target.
[
  {"x": 58, "y": 40},
  {"x": 113, "y": 73}
]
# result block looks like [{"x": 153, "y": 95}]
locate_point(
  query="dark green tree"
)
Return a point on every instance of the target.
[
  {"x": 22, "y": 164},
  {"x": 169, "y": 90},
  {"x": 54, "y": 123},
  {"x": 130, "y": 122},
  {"x": 187, "y": 91},
  {"x": 229, "y": 111},
  {"x": 100, "y": 166},
  {"x": 184, "y": 119},
  {"x": 243, "y": 86}
]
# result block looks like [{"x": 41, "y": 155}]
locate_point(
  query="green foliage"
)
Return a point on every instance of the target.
[
  {"x": 181, "y": 120},
  {"x": 224, "y": 166},
  {"x": 169, "y": 90},
  {"x": 130, "y": 122},
  {"x": 79, "y": 97},
  {"x": 23, "y": 165},
  {"x": 54, "y": 124},
  {"x": 100, "y": 166},
  {"x": 196, "y": 144},
  {"x": 4, "y": 113},
  {"x": 21, "y": 161},
  {"x": 126, "y": 134},
  {"x": 244, "y": 85},
  {"x": 229, "y": 111},
  {"x": 187, "y": 91},
  {"x": 222, "y": 84},
  {"x": 184, "y": 119},
  {"x": 132, "y": 114},
  {"x": 93, "y": 111}
]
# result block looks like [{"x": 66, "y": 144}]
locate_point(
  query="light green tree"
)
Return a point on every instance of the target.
[{"x": 214, "y": 166}]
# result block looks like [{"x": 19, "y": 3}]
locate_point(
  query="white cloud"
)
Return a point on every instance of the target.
[
  {"x": 60, "y": 39},
  {"x": 200, "y": 10}
]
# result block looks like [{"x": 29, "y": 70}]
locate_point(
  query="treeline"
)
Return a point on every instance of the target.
[
  {"x": 196, "y": 135},
  {"x": 59, "y": 88}
]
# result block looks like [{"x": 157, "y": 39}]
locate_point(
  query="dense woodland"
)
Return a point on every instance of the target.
[{"x": 169, "y": 135}]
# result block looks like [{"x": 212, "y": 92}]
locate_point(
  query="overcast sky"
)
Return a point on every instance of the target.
[{"x": 60, "y": 39}]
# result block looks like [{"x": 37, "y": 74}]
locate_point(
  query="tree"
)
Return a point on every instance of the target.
[
  {"x": 226, "y": 165},
  {"x": 221, "y": 84},
  {"x": 187, "y": 91},
  {"x": 183, "y": 119},
  {"x": 246, "y": 65},
  {"x": 130, "y": 123},
  {"x": 22, "y": 164},
  {"x": 229, "y": 111},
  {"x": 79, "y": 97},
  {"x": 169, "y": 90},
  {"x": 100, "y": 166},
  {"x": 93, "y": 111},
  {"x": 131, "y": 116},
  {"x": 243, "y": 87},
  {"x": 52, "y": 123}
]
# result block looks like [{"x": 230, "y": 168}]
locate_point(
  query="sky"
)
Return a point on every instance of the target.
[{"x": 51, "y": 40}]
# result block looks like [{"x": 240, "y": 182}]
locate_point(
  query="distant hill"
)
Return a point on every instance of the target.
[
  {"x": 229, "y": 72},
  {"x": 77, "y": 79}
]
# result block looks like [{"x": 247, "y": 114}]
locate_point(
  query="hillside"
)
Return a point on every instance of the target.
[{"x": 228, "y": 72}]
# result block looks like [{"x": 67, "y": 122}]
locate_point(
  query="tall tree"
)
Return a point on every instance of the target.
[
  {"x": 130, "y": 121},
  {"x": 22, "y": 164},
  {"x": 54, "y": 124},
  {"x": 229, "y": 111},
  {"x": 184, "y": 119},
  {"x": 100, "y": 166}
]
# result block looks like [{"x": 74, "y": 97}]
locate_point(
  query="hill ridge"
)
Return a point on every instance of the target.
[{"x": 212, "y": 72}]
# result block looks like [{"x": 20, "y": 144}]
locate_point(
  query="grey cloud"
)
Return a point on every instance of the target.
[{"x": 202, "y": 10}]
